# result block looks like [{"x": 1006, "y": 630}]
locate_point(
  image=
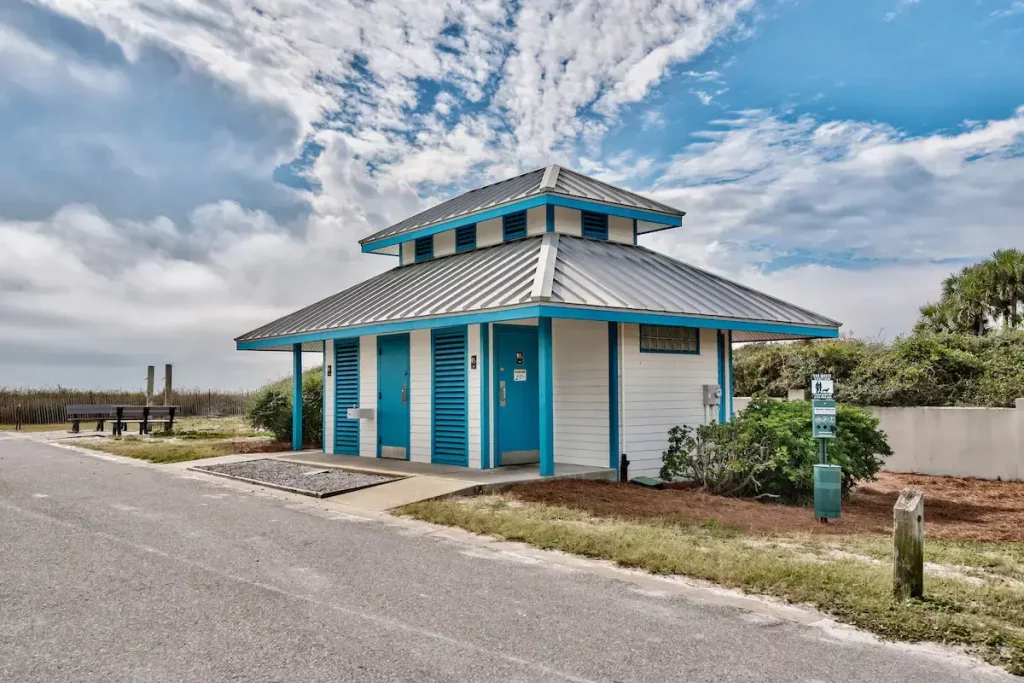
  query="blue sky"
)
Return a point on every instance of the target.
[{"x": 175, "y": 173}]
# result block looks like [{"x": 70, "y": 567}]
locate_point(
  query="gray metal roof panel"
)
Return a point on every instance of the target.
[
  {"x": 587, "y": 273},
  {"x": 573, "y": 184},
  {"x": 492, "y": 277},
  {"x": 569, "y": 183},
  {"x": 608, "y": 274}
]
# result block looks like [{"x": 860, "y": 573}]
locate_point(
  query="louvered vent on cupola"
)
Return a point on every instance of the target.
[
  {"x": 595, "y": 225},
  {"x": 514, "y": 226}
]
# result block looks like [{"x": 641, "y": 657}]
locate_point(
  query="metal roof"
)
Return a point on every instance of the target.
[
  {"x": 550, "y": 180},
  {"x": 551, "y": 269},
  {"x": 604, "y": 274}
]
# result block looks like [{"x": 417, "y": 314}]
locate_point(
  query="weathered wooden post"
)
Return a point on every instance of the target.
[
  {"x": 168, "y": 384},
  {"x": 908, "y": 545},
  {"x": 150, "y": 376}
]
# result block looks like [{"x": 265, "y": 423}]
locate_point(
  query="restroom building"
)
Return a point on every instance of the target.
[{"x": 523, "y": 324}]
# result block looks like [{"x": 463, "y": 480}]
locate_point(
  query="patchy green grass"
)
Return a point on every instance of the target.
[
  {"x": 169, "y": 450},
  {"x": 193, "y": 438},
  {"x": 983, "y": 613},
  {"x": 37, "y": 428}
]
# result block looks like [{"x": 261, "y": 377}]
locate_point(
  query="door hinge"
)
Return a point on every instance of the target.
[
  {"x": 380, "y": 395},
  {"x": 380, "y": 440}
]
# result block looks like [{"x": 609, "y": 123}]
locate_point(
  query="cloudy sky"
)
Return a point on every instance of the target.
[{"x": 174, "y": 173}]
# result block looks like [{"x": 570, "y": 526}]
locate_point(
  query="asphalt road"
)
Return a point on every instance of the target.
[{"x": 114, "y": 572}]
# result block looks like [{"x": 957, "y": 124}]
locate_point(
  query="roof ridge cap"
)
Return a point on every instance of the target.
[
  {"x": 544, "y": 277},
  {"x": 550, "y": 179}
]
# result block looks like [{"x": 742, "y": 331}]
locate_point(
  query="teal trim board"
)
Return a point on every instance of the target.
[
  {"x": 485, "y": 396},
  {"x": 613, "y": 397},
  {"x": 547, "y": 416},
  {"x": 732, "y": 381},
  {"x": 523, "y": 205},
  {"x": 296, "y": 397},
  {"x": 544, "y": 310},
  {"x": 324, "y": 379},
  {"x": 721, "y": 375}
]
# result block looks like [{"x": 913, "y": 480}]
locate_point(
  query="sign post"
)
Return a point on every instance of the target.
[{"x": 827, "y": 478}]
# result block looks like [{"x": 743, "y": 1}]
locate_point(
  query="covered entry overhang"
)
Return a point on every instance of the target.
[{"x": 545, "y": 278}]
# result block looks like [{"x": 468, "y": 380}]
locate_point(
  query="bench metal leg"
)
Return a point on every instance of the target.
[
  {"x": 99, "y": 425},
  {"x": 74, "y": 426}
]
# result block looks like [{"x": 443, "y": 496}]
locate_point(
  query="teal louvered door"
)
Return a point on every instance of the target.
[
  {"x": 450, "y": 404},
  {"x": 346, "y": 395}
]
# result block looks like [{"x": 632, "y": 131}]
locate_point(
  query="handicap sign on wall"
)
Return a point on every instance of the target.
[{"x": 518, "y": 375}]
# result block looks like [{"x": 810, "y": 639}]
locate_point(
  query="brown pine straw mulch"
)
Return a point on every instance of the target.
[{"x": 955, "y": 508}]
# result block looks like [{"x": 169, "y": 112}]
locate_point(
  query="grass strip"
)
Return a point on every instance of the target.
[
  {"x": 166, "y": 452},
  {"x": 987, "y": 618}
]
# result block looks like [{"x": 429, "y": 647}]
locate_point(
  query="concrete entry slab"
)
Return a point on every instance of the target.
[
  {"x": 484, "y": 479},
  {"x": 401, "y": 492}
]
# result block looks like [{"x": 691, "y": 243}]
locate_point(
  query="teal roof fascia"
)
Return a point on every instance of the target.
[{"x": 522, "y": 205}]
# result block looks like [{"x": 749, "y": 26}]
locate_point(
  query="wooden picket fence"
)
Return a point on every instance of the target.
[{"x": 47, "y": 406}]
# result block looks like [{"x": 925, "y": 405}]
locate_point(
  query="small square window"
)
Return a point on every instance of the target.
[{"x": 669, "y": 339}]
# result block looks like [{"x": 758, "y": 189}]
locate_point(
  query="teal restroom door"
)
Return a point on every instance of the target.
[
  {"x": 393, "y": 397},
  {"x": 517, "y": 395}
]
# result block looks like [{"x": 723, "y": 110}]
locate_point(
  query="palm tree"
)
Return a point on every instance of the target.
[
  {"x": 967, "y": 296},
  {"x": 1005, "y": 271}
]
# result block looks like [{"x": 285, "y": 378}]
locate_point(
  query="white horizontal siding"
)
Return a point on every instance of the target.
[
  {"x": 488, "y": 232},
  {"x": 444, "y": 243},
  {"x": 536, "y": 221},
  {"x": 568, "y": 221},
  {"x": 408, "y": 252},
  {"x": 473, "y": 394},
  {"x": 661, "y": 391},
  {"x": 420, "y": 396},
  {"x": 368, "y": 395},
  {"x": 620, "y": 229},
  {"x": 580, "y": 383},
  {"x": 329, "y": 386}
]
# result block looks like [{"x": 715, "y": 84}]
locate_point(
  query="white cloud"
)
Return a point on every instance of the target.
[
  {"x": 704, "y": 97},
  {"x": 44, "y": 72},
  {"x": 762, "y": 188},
  {"x": 901, "y": 7},
  {"x": 1015, "y": 8}
]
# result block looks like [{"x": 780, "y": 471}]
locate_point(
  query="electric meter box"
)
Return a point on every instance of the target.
[{"x": 712, "y": 394}]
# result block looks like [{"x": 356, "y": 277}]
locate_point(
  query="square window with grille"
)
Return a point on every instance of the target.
[
  {"x": 669, "y": 339},
  {"x": 514, "y": 226},
  {"x": 465, "y": 238}
]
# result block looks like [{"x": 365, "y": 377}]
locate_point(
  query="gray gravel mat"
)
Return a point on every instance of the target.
[{"x": 289, "y": 476}]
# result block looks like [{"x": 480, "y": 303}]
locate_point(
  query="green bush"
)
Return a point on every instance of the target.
[
  {"x": 271, "y": 408},
  {"x": 768, "y": 448},
  {"x": 923, "y": 369}
]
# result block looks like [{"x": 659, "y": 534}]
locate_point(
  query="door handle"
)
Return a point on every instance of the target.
[
  {"x": 405, "y": 394},
  {"x": 501, "y": 393}
]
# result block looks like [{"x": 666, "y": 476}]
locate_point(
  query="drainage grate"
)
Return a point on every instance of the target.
[{"x": 290, "y": 476}]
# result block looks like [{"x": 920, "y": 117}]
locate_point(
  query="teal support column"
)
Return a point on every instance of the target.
[
  {"x": 485, "y": 395},
  {"x": 721, "y": 376},
  {"x": 296, "y": 397},
  {"x": 547, "y": 394},
  {"x": 613, "y": 396}
]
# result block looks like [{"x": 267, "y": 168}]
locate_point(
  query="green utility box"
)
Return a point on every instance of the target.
[{"x": 828, "y": 491}]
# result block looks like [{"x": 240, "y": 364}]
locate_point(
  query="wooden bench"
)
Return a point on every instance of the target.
[{"x": 121, "y": 415}]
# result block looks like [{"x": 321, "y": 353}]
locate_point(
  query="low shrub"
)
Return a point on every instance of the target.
[
  {"x": 768, "y": 449},
  {"x": 271, "y": 408}
]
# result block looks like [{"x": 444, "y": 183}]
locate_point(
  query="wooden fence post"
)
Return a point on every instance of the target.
[{"x": 908, "y": 545}]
